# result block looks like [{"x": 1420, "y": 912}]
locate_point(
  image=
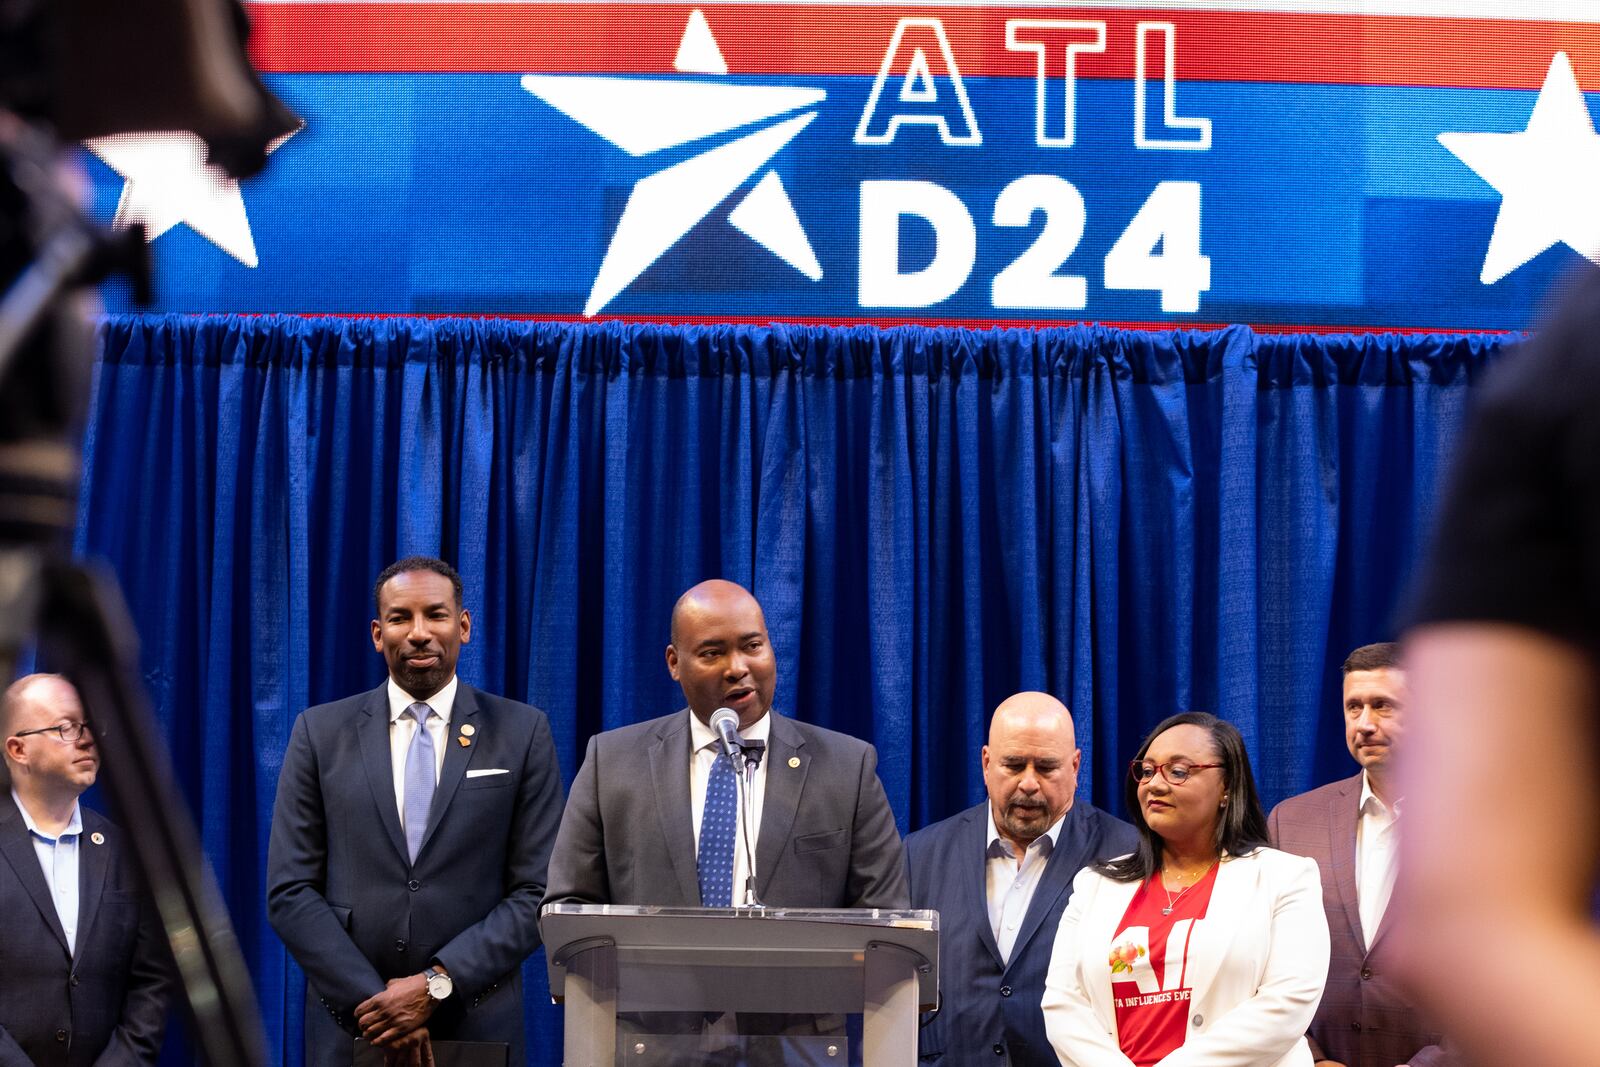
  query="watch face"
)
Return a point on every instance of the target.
[{"x": 439, "y": 986}]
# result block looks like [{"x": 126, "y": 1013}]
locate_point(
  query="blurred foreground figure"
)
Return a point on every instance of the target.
[
  {"x": 1502, "y": 843},
  {"x": 86, "y": 972}
]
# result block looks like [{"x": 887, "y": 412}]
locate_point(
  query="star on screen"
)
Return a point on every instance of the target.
[
  {"x": 1547, "y": 176},
  {"x": 167, "y": 181}
]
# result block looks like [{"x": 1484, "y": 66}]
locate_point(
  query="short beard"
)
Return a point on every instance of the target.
[
  {"x": 1025, "y": 832},
  {"x": 421, "y": 684}
]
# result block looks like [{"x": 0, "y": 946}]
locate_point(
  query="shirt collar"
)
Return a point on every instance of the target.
[
  {"x": 1372, "y": 804},
  {"x": 700, "y": 734},
  {"x": 74, "y": 824},
  {"x": 1052, "y": 836},
  {"x": 441, "y": 702}
]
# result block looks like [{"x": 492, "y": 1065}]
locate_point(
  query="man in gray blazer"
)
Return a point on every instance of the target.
[
  {"x": 636, "y": 822},
  {"x": 84, "y": 973},
  {"x": 409, "y": 840}
]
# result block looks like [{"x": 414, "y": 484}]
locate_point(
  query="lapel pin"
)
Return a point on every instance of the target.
[
  {"x": 463, "y": 741},
  {"x": 794, "y": 761},
  {"x": 98, "y": 838},
  {"x": 468, "y": 729}
]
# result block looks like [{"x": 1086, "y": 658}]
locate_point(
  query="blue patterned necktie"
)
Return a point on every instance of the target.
[
  {"x": 719, "y": 824},
  {"x": 419, "y": 779}
]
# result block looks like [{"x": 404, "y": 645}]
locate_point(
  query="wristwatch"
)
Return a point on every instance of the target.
[{"x": 439, "y": 985}]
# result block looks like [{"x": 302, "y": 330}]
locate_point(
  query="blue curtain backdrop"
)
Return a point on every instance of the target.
[{"x": 1140, "y": 523}]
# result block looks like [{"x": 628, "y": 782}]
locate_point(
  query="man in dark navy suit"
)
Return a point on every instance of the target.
[
  {"x": 1000, "y": 874},
  {"x": 84, "y": 975},
  {"x": 410, "y": 838}
]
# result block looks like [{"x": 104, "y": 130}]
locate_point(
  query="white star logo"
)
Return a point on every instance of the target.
[
  {"x": 166, "y": 180},
  {"x": 1548, "y": 176},
  {"x": 641, "y": 116}
]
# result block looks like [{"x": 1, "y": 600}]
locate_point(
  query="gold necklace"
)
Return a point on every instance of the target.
[{"x": 1172, "y": 901}]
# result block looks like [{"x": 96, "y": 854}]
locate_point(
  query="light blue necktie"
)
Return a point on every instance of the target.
[
  {"x": 419, "y": 779},
  {"x": 719, "y": 824}
]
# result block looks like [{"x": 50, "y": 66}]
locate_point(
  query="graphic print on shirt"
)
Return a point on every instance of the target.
[
  {"x": 1148, "y": 965},
  {"x": 1132, "y": 964}
]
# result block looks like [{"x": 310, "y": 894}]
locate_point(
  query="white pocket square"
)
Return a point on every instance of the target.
[{"x": 483, "y": 773}]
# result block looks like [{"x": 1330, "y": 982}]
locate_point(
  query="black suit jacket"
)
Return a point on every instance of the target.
[
  {"x": 985, "y": 1003},
  {"x": 355, "y": 912},
  {"x": 827, "y": 839},
  {"x": 103, "y": 1005}
]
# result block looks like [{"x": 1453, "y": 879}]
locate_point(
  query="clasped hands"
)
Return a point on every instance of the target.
[{"x": 394, "y": 1020}]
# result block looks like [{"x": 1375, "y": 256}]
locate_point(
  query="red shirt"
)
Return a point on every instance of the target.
[{"x": 1149, "y": 965}]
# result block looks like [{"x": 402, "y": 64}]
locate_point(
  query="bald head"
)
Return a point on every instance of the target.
[
  {"x": 1030, "y": 766},
  {"x": 712, "y": 599},
  {"x": 46, "y": 697},
  {"x": 42, "y": 762},
  {"x": 1034, "y": 712},
  {"x": 720, "y": 654}
]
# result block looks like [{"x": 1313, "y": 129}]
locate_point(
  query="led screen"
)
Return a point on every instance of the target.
[{"x": 1288, "y": 165}]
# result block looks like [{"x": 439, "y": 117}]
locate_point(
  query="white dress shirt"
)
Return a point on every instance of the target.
[
  {"x": 703, "y": 749},
  {"x": 402, "y": 728},
  {"x": 1010, "y": 888},
  {"x": 1377, "y": 845},
  {"x": 58, "y": 858}
]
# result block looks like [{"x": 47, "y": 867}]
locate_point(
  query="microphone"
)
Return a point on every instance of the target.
[
  {"x": 725, "y": 724},
  {"x": 745, "y": 756}
]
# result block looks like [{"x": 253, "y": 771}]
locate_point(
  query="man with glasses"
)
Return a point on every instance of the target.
[
  {"x": 1000, "y": 874},
  {"x": 83, "y": 971},
  {"x": 1351, "y": 829}
]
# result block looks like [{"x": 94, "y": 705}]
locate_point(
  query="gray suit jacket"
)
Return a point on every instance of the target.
[
  {"x": 104, "y": 1004},
  {"x": 827, "y": 839},
  {"x": 1365, "y": 1019}
]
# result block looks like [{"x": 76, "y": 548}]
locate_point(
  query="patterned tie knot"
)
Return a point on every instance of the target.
[{"x": 420, "y": 712}]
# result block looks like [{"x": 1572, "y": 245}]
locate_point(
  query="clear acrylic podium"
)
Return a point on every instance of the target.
[{"x": 719, "y": 976}]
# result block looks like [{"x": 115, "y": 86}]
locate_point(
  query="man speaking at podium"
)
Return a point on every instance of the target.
[{"x": 653, "y": 816}]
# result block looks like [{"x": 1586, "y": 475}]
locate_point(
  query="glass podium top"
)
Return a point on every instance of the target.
[
  {"x": 744, "y": 959},
  {"x": 900, "y": 919}
]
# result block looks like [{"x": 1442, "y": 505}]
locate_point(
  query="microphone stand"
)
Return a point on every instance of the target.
[{"x": 750, "y": 757}]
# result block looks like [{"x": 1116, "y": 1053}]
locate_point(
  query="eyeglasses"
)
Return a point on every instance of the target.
[
  {"x": 66, "y": 732},
  {"x": 1176, "y": 772}
]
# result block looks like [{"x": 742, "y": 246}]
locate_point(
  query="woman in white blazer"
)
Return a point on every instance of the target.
[{"x": 1204, "y": 948}]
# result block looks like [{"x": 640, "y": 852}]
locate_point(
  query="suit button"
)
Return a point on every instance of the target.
[
  {"x": 73, "y": 981},
  {"x": 400, "y": 944},
  {"x": 999, "y": 1049},
  {"x": 1005, "y": 991},
  {"x": 1366, "y": 974},
  {"x": 413, "y": 885},
  {"x": 61, "y": 1035},
  {"x": 1355, "y": 1026}
]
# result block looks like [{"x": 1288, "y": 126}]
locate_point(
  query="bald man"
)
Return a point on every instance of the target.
[
  {"x": 1000, "y": 874},
  {"x": 85, "y": 972},
  {"x": 635, "y": 832}
]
